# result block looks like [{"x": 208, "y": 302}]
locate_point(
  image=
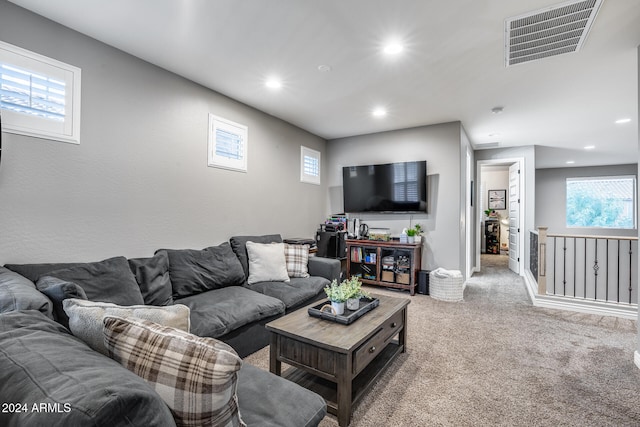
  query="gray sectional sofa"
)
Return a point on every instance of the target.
[{"x": 41, "y": 361}]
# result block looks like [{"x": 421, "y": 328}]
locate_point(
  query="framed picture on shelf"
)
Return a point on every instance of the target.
[{"x": 497, "y": 199}]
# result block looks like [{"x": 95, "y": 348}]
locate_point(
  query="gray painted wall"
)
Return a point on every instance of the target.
[
  {"x": 551, "y": 197},
  {"x": 440, "y": 146},
  {"x": 139, "y": 179}
]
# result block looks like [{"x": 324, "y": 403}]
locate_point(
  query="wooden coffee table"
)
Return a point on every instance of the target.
[{"x": 339, "y": 362}]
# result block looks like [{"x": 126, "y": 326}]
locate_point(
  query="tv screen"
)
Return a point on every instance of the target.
[{"x": 391, "y": 187}]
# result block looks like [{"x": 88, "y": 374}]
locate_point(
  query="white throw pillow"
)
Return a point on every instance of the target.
[
  {"x": 86, "y": 318},
  {"x": 267, "y": 263}
]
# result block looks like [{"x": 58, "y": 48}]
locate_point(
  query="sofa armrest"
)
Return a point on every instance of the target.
[{"x": 328, "y": 268}]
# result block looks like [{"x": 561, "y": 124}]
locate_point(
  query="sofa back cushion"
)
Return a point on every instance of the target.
[
  {"x": 85, "y": 318},
  {"x": 196, "y": 377},
  {"x": 19, "y": 293},
  {"x": 110, "y": 280},
  {"x": 239, "y": 246},
  {"x": 152, "y": 275},
  {"x": 195, "y": 271},
  {"x": 42, "y": 362}
]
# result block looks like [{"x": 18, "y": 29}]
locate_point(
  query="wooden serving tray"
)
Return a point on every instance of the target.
[{"x": 349, "y": 316}]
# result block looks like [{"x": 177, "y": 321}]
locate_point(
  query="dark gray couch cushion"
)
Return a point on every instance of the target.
[
  {"x": 239, "y": 246},
  {"x": 42, "y": 363},
  {"x": 195, "y": 271},
  {"x": 34, "y": 271},
  {"x": 267, "y": 400},
  {"x": 19, "y": 293},
  {"x": 152, "y": 275},
  {"x": 110, "y": 280},
  {"x": 294, "y": 292},
  {"x": 58, "y": 290},
  {"x": 217, "y": 312}
]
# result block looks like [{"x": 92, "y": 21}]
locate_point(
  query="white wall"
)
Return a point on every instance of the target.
[
  {"x": 139, "y": 179},
  {"x": 440, "y": 146}
]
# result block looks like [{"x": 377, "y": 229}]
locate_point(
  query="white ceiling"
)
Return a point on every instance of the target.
[{"x": 452, "y": 67}]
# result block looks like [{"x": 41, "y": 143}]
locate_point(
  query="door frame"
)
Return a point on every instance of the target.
[{"x": 521, "y": 238}]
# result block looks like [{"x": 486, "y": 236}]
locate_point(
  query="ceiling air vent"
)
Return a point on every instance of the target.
[{"x": 548, "y": 32}]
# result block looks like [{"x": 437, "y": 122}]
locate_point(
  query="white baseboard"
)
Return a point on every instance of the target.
[
  {"x": 624, "y": 311},
  {"x": 636, "y": 358}
]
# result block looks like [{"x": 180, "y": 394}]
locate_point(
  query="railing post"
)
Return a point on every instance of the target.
[{"x": 542, "y": 260}]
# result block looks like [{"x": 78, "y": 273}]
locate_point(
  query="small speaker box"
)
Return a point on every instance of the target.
[{"x": 423, "y": 282}]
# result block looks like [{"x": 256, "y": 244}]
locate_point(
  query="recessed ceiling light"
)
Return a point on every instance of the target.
[
  {"x": 621, "y": 121},
  {"x": 379, "y": 112},
  {"x": 273, "y": 84},
  {"x": 393, "y": 48},
  {"x": 497, "y": 110},
  {"x": 324, "y": 68},
  {"x": 589, "y": 147},
  {"x": 570, "y": 162}
]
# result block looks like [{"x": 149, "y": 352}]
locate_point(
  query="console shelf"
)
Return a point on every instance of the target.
[{"x": 389, "y": 264}]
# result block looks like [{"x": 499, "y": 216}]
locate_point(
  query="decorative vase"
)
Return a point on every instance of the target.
[
  {"x": 353, "y": 303},
  {"x": 411, "y": 239},
  {"x": 417, "y": 239},
  {"x": 338, "y": 307}
]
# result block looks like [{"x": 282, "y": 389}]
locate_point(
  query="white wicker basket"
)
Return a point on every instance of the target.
[{"x": 446, "y": 289}]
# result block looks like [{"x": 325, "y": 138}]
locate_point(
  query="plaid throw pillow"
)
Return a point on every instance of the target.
[
  {"x": 196, "y": 377},
  {"x": 297, "y": 257}
]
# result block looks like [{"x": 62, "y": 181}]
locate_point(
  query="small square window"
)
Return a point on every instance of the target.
[
  {"x": 227, "y": 144},
  {"x": 309, "y": 166}
]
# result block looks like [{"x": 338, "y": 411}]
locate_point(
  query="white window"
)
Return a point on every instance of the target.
[
  {"x": 309, "y": 165},
  {"x": 227, "y": 144},
  {"x": 39, "y": 96},
  {"x": 602, "y": 202},
  {"x": 405, "y": 182}
]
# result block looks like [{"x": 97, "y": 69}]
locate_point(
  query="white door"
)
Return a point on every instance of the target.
[{"x": 514, "y": 218}]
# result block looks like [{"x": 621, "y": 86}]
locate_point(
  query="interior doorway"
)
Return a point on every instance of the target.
[{"x": 500, "y": 214}]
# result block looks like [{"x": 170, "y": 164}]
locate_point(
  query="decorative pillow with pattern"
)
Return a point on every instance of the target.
[
  {"x": 297, "y": 258},
  {"x": 85, "y": 318},
  {"x": 196, "y": 377}
]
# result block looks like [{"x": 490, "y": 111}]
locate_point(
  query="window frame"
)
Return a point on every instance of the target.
[
  {"x": 316, "y": 155},
  {"x": 223, "y": 162},
  {"x": 39, "y": 127},
  {"x": 634, "y": 201}
]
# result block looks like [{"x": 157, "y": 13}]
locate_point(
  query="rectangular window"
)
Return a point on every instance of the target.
[
  {"x": 309, "y": 165},
  {"x": 227, "y": 144},
  {"x": 39, "y": 96},
  {"x": 602, "y": 202}
]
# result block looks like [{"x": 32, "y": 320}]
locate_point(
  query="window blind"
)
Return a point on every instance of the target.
[{"x": 30, "y": 93}]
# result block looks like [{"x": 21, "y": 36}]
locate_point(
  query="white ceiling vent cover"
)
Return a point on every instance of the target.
[{"x": 548, "y": 32}]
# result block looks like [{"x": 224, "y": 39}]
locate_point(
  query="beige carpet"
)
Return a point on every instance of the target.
[{"x": 494, "y": 359}]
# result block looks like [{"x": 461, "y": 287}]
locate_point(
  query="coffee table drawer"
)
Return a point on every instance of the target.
[{"x": 374, "y": 345}]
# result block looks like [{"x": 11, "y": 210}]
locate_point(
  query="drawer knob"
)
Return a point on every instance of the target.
[
  {"x": 394, "y": 324},
  {"x": 372, "y": 349}
]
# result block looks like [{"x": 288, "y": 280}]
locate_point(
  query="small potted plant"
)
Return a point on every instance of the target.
[
  {"x": 338, "y": 295},
  {"x": 411, "y": 235},
  {"x": 355, "y": 292},
  {"x": 419, "y": 231}
]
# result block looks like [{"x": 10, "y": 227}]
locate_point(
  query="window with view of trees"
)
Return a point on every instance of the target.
[{"x": 603, "y": 202}]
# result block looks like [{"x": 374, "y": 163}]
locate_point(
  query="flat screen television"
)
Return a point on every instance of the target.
[{"x": 391, "y": 187}]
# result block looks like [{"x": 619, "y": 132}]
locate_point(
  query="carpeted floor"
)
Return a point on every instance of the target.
[{"x": 495, "y": 360}]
